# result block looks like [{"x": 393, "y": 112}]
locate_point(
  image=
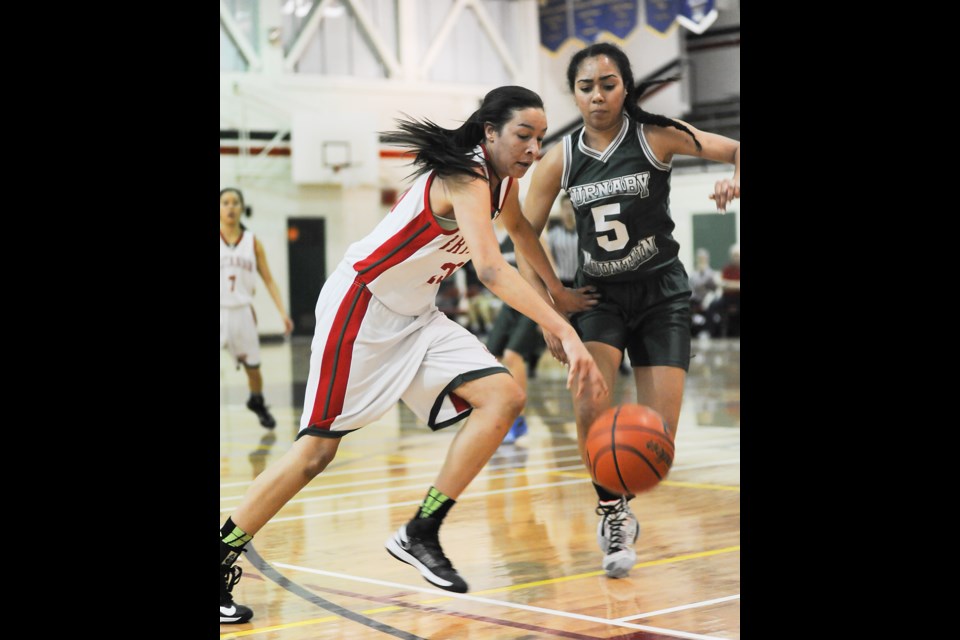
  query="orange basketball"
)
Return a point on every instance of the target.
[{"x": 628, "y": 449}]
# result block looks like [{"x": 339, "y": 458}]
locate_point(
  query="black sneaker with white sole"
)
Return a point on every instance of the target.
[
  {"x": 417, "y": 543},
  {"x": 230, "y": 611}
]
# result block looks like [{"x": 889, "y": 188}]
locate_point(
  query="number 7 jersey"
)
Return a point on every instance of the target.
[
  {"x": 238, "y": 271},
  {"x": 621, "y": 198}
]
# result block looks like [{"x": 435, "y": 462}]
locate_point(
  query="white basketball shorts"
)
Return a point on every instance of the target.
[
  {"x": 238, "y": 333},
  {"x": 365, "y": 358}
]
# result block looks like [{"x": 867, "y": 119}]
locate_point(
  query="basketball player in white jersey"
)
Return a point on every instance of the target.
[
  {"x": 380, "y": 337},
  {"x": 241, "y": 254}
]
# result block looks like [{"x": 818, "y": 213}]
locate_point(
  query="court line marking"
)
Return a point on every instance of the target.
[
  {"x": 403, "y": 462},
  {"x": 560, "y": 471},
  {"x": 539, "y": 629},
  {"x": 666, "y": 483},
  {"x": 592, "y": 574},
  {"x": 473, "y": 494},
  {"x": 407, "y": 503},
  {"x": 701, "y": 485},
  {"x": 688, "y": 443},
  {"x": 683, "y": 607},
  {"x": 270, "y": 572},
  {"x": 227, "y": 635},
  {"x": 535, "y": 465},
  {"x": 514, "y": 605},
  {"x": 515, "y": 471},
  {"x": 406, "y": 462},
  {"x": 704, "y": 465},
  {"x": 447, "y": 596},
  {"x": 398, "y": 488}
]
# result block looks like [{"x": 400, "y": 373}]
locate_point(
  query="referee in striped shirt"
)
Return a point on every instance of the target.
[{"x": 562, "y": 239}]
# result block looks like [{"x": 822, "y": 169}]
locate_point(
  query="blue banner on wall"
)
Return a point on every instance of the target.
[
  {"x": 554, "y": 23},
  {"x": 697, "y": 15},
  {"x": 661, "y": 14},
  {"x": 585, "y": 20},
  {"x": 590, "y": 17}
]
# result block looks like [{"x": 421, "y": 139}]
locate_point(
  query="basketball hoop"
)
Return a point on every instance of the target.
[{"x": 336, "y": 155}]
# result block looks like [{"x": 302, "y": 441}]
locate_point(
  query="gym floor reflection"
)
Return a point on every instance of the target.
[{"x": 523, "y": 535}]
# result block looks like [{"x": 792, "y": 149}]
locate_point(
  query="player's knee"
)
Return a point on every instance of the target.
[
  {"x": 319, "y": 457},
  {"x": 514, "y": 398},
  {"x": 317, "y": 463}
]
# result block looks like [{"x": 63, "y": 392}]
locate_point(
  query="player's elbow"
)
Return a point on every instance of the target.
[
  {"x": 489, "y": 273},
  {"x": 488, "y": 276}
]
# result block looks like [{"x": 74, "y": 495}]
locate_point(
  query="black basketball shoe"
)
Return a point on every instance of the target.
[
  {"x": 417, "y": 543},
  {"x": 230, "y": 611},
  {"x": 256, "y": 405}
]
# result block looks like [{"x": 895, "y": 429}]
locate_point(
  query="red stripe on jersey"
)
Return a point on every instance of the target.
[
  {"x": 411, "y": 238},
  {"x": 399, "y": 200},
  {"x": 459, "y": 403},
  {"x": 338, "y": 356},
  {"x": 404, "y": 243}
]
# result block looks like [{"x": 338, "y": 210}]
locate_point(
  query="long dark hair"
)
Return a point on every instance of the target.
[
  {"x": 450, "y": 151},
  {"x": 632, "y": 103},
  {"x": 236, "y": 191}
]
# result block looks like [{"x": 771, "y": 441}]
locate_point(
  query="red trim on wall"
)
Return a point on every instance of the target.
[
  {"x": 234, "y": 151},
  {"x": 394, "y": 153},
  {"x": 285, "y": 151}
]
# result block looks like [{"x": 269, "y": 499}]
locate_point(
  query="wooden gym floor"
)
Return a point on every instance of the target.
[{"x": 523, "y": 535}]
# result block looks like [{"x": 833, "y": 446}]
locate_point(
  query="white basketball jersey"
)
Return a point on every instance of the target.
[
  {"x": 238, "y": 271},
  {"x": 404, "y": 259}
]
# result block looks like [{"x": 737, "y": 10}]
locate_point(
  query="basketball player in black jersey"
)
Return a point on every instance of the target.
[{"x": 616, "y": 170}]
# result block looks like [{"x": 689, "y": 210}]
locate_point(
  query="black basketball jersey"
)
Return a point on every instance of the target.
[
  {"x": 506, "y": 247},
  {"x": 621, "y": 198}
]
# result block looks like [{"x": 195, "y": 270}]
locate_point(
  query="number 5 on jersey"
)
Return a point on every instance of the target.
[{"x": 620, "y": 235}]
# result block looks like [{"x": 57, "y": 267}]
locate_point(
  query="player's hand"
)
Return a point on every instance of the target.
[
  {"x": 555, "y": 346},
  {"x": 287, "y": 325},
  {"x": 574, "y": 300},
  {"x": 724, "y": 192},
  {"x": 583, "y": 369}
]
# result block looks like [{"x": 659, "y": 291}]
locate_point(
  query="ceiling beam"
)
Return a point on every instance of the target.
[
  {"x": 238, "y": 38},
  {"x": 299, "y": 46},
  {"x": 383, "y": 52},
  {"x": 441, "y": 38},
  {"x": 486, "y": 23}
]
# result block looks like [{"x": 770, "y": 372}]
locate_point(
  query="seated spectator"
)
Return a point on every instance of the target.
[
  {"x": 726, "y": 310},
  {"x": 704, "y": 282}
]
